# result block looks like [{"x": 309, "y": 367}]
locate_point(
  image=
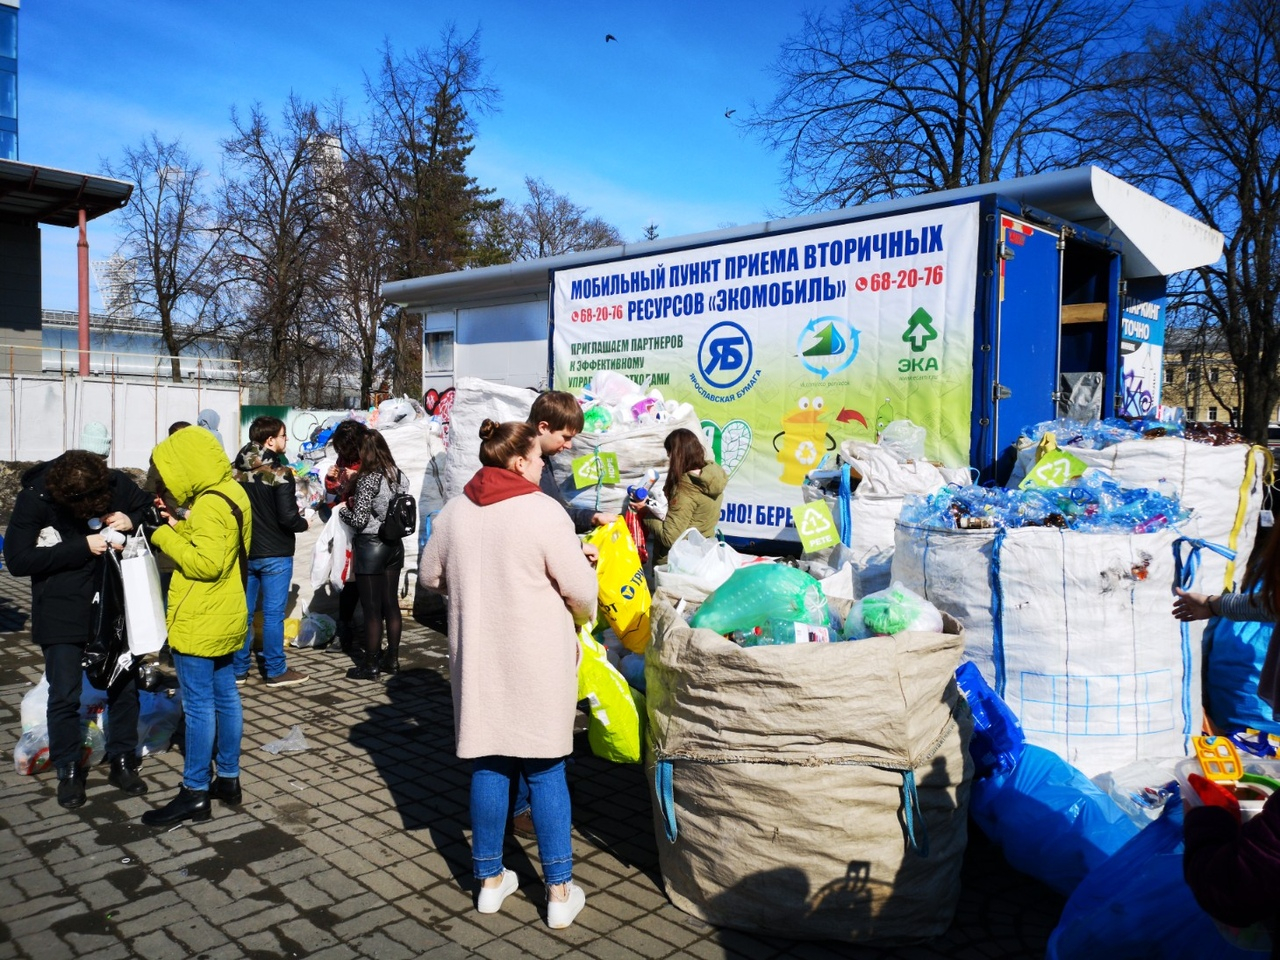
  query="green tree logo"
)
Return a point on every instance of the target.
[{"x": 919, "y": 331}]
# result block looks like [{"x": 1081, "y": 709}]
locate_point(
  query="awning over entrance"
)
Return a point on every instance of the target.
[{"x": 30, "y": 193}]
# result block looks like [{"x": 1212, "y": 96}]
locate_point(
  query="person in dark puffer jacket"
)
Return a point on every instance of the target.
[
  {"x": 53, "y": 538},
  {"x": 267, "y": 478}
]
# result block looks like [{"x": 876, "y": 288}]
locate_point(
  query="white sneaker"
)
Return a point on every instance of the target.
[
  {"x": 560, "y": 913},
  {"x": 490, "y": 899}
]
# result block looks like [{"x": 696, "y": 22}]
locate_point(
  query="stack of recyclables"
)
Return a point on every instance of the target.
[
  {"x": 1222, "y": 481},
  {"x": 1069, "y": 621},
  {"x": 784, "y": 805},
  {"x": 755, "y": 594},
  {"x": 1100, "y": 434},
  {"x": 1092, "y": 503}
]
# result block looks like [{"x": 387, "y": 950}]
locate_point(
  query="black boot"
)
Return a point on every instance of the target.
[
  {"x": 124, "y": 774},
  {"x": 71, "y": 787},
  {"x": 226, "y": 789},
  {"x": 365, "y": 671},
  {"x": 389, "y": 662},
  {"x": 187, "y": 805},
  {"x": 347, "y": 636}
]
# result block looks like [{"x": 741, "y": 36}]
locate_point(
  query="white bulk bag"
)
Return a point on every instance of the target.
[
  {"x": 1222, "y": 485},
  {"x": 474, "y": 401},
  {"x": 1074, "y": 630}
]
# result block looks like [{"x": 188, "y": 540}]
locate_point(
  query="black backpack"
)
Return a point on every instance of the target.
[{"x": 401, "y": 519}]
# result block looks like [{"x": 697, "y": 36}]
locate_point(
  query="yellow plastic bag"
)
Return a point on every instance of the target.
[
  {"x": 624, "y": 594},
  {"x": 616, "y": 710}
]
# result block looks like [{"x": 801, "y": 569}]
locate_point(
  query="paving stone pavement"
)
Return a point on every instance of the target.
[{"x": 358, "y": 847}]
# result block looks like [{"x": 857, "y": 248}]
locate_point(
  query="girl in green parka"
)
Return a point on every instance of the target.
[
  {"x": 694, "y": 489},
  {"x": 207, "y": 614}
]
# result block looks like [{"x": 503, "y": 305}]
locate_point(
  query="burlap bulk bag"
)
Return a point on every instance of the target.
[{"x": 816, "y": 791}]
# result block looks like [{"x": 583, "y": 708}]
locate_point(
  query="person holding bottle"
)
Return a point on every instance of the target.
[
  {"x": 514, "y": 663},
  {"x": 694, "y": 491}
]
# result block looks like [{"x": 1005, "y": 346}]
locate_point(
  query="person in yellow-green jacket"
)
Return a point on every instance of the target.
[{"x": 207, "y": 613}]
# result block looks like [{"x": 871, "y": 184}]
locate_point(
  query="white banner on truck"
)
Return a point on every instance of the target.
[{"x": 787, "y": 345}]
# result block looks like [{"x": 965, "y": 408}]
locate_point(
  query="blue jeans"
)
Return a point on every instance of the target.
[
  {"x": 211, "y": 703},
  {"x": 273, "y": 575},
  {"x": 522, "y": 801},
  {"x": 492, "y": 783}
]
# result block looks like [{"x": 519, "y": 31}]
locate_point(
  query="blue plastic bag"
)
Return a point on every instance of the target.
[
  {"x": 1137, "y": 906},
  {"x": 1234, "y": 654},
  {"x": 1051, "y": 821},
  {"x": 997, "y": 741}
]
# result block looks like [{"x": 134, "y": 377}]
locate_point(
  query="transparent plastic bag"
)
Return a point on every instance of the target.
[
  {"x": 904, "y": 440},
  {"x": 293, "y": 743},
  {"x": 316, "y": 630},
  {"x": 761, "y": 591},
  {"x": 709, "y": 561},
  {"x": 895, "y": 610}
]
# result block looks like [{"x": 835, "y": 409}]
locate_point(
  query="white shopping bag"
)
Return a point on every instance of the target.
[
  {"x": 331, "y": 561},
  {"x": 143, "y": 602}
]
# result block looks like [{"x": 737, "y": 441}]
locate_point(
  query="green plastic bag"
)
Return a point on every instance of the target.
[
  {"x": 759, "y": 591},
  {"x": 614, "y": 730}
]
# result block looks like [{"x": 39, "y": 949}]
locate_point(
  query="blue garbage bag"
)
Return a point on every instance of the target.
[
  {"x": 1050, "y": 819},
  {"x": 997, "y": 741},
  {"x": 1234, "y": 654},
  {"x": 1137, "y": 906}
]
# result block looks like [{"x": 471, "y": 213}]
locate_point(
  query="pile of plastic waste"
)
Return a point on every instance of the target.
[
  {"x": 1099, "y": 434},
  {"x": 1090, "y": 503},
  {"x": 613, "y": 402}
]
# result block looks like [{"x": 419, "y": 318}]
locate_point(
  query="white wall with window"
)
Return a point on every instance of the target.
[{"x": 505, "y": 342}]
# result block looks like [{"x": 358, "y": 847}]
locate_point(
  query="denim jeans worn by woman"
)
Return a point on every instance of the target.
[
  {"x": 492, "y": 781},
  {"x": 214, "y": 718},
  {"x": 272, "y": 576}
]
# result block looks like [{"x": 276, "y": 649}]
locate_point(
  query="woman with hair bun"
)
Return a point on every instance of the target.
[{"x": 519, "y": 585}]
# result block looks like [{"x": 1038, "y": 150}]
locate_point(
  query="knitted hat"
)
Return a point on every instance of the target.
[{"x": 95, "y": 438}]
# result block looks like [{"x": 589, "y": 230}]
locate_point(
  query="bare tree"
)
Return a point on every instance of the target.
[
  {"x": 1193, "y": 118},
  {"x": 896, "y": 97},
  {"x": 171, "y": 241},
  {"x": 272, "y": 208},
  {"x": 421, "y": 107},
  {"x": 549, "y": 223},
  {"x": 359, "y": 257}
]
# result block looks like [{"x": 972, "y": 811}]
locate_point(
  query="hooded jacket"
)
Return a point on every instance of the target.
[
  {"x": 64, "y": 575},
  {"x": 207, "y": 607},
  {"x": 695, "y": 503},
  {"x": 272, "y": 492}
]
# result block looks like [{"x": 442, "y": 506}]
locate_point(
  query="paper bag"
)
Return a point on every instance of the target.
[{"x": 143, "y": 602}]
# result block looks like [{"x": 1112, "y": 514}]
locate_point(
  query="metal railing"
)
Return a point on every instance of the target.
[{"x": 121, "y": 364}]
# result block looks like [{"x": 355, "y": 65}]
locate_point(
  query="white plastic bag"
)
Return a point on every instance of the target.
[
  {"x": 331, "y": 561},
  {"x": 35, "y": 705},
  {"x": 31, "y": 755},
  {"x": 316, "y": 630},
  {"x": 895, "y": 610},
  {"x": 708, "y": 560},
  {"x": 143, "y": 600},
  {"x": 293, "y": 743},
  {"x": 904, "y": 440}
]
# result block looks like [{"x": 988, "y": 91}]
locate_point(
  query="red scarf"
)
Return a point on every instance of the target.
[{"x": 494, "y": 484}]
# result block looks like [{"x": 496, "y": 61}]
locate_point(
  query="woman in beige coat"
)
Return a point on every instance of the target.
[{"x": 518, "y": 585}]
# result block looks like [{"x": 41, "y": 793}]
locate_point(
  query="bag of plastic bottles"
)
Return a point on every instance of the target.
[
  {"x": 754, "y": 594},
  {"x": 316, "y": 630},
  {"x": 31, "y": 755},
  {"x": 891, "y": 611}
]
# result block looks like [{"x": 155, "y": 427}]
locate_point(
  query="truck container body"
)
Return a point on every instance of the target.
[{"x": 972, "y": 313}]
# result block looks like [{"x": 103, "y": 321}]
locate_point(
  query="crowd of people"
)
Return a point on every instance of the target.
[{"x": 225, "y": 529}]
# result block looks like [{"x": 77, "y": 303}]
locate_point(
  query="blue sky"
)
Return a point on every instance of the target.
[{"x": 633, "y": 130}]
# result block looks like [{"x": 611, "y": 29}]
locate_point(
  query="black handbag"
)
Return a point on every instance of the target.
[{"x": 106, "y": 659}]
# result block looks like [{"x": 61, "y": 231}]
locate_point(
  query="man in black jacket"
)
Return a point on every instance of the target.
[
  {"x": 261, "y": 469},
  {"x": 53, "y": 538}
]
